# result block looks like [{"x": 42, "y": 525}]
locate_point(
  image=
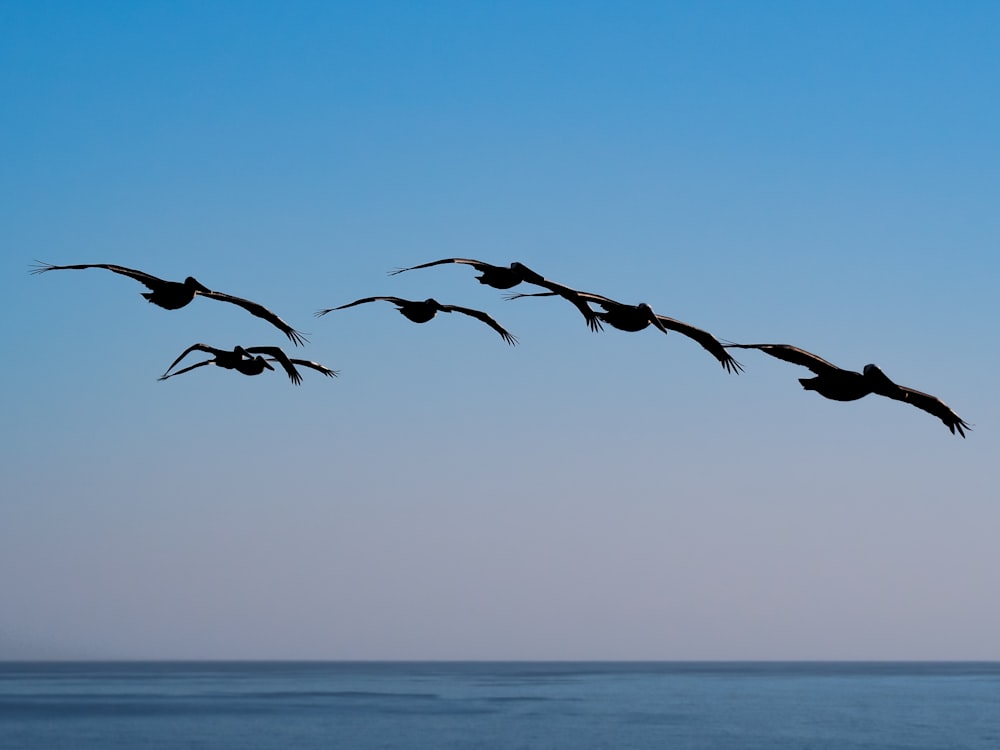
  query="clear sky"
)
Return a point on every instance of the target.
[{"x": 820, "y": 174}]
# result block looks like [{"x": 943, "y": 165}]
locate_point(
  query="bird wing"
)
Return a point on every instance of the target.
[
  {"x": 276, "y": 354},
  {"x": 928, "y": 403},
  {"x": 150, "y": 281},
  {"x": 394, "y": 300},
  {"x": 792, "y": 354},
  {"x": 194, "y": 347},
  {"x": 261, "y": 312},
  {"x": 610, "y": 304},
  {"x": 598, "y": 299},
  {"x": 707, "y": 341},
  {"x": 164, "y": 376},
  {"x": 578, "y": 299},
  {"x": 518, "y": 295},
  {"x": 316, "y": 366},
  {"x": 477, "y": 264},
  {"x": 480, "y": 315}
]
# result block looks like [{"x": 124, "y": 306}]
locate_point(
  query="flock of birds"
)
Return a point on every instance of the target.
[{"x": 830, "y": 381}]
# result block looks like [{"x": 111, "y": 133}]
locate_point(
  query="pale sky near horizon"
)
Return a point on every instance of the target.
[{"x": 820, "y": 174}]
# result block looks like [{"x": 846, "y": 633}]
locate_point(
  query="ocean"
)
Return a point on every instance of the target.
[{"x": 509, "y": 705}]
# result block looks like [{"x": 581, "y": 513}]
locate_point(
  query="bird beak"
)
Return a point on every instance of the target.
[{"x": 654, "y": 319}]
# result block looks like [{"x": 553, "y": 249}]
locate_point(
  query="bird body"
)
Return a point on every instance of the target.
[
  {"x": 236, "y": 359},
  {"x": 498, "y": 277},
  {"x": 248, "y": 361},
  {"x": 634, "y": 318},
  {"x": 631, "y": 318},
  {"x": 255, "y": 365},
  {"x": 421, "y": 311},
  {"x": 837, "y": 384},
  {"x": 173, "y": 295},
  {"x": 507, "y": 277}
]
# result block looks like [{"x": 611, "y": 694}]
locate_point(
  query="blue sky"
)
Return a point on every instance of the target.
[{"x": 825, "y": 175}]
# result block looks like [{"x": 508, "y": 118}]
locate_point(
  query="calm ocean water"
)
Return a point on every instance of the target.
[{"x": 441, "y": 705}]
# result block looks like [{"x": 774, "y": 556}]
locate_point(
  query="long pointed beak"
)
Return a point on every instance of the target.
[{"x": 656, "y": 322}]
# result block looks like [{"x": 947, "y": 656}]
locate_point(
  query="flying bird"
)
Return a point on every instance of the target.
[
  {"x": 248, "y": 360},
  {"x": 173, "y": 295},
  {"x": 847, "y": 385},
  {"x": 634, "y": 318},
  {"x": 507, "y": 277},
  {"x": 420, "y": 311}
]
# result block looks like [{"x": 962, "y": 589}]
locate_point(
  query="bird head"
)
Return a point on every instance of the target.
[
  {"x": 192, "y": 283},
  {"x": 524, "y": 273},
  {"x": 874, "y": 375},
  {"x": 650, "y": 315}
]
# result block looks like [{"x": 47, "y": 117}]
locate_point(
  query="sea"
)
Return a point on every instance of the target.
[{"x": 508, "y": 705}]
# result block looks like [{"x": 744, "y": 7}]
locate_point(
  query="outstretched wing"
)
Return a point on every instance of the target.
[
  {"x": 577, "y": 299},
  {"x": 480, "y": 315},
  {"x": 477, "y": 264},
  {"x": 194, "y": 347},
  {"x": 164, "y": 376},
  {"x": 707, "y": 341},
  {"x": 928, "y": 403},
  {"x": 150, "y": 282},
  {"x": 792, "y": 354},
  {"x": 316, "y": 366},
  {"x": 276, "y": 354},
  {"x": 261, "y": 312},
  {"x": 598, "y": 299},
  {"x": 518, "y": 295},
  {"x": 573, "y": 296},
  {"x": 395, "y": 300}
]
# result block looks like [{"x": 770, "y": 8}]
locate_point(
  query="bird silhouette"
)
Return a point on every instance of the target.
[
  {"x": 634, "y": 318},
  {"x": 248, "y": 360},
  {"x": 507, "y": 277},
  {"x": 838, "y": 384},
  {"x": 173, "y": 295},
  {"x": 421, "y": 311}
]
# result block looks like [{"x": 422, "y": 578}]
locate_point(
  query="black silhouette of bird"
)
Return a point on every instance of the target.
[
  {"x": 634, "y": 318},
  {"x": 421, "y": 311},
  {"x": 173, "y": 295},
  {"x": 507, "y": 277},
  {"x": 837, "y": 384},
  {"x": 248, "y": 360}
]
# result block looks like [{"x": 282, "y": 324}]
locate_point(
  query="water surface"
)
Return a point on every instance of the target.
[{"x": 442, "y": 705}]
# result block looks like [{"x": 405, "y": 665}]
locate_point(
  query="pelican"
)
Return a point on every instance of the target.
[
  {"x": 847, "y": 385},
  {"x": 173, "y": 295},
  {"x": 506, "y": 277},
  {"x": 244, "y": 360},
  {"x": 421, "y": 311},
  {"x": 634, "y": 318}
]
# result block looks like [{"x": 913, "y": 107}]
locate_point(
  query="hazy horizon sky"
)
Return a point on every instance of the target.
[{"x": 820, "y": 174}]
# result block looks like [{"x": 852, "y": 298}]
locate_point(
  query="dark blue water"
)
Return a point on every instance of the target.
[{"x": 578, "y": 705}]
